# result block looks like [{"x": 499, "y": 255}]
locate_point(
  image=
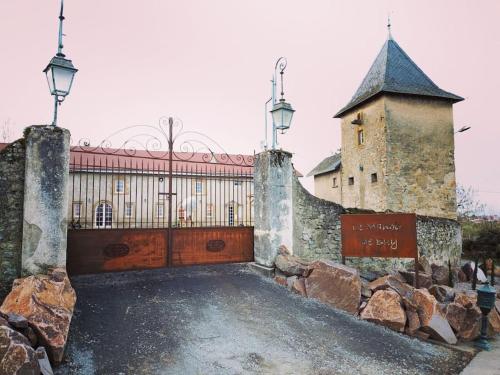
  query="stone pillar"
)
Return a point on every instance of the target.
[
  {"x": 45, "y": 199},
  {"x": 273, "y": 205}
]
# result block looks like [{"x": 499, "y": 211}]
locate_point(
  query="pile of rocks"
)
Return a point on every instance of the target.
[
  {"x": 34, "y": 323},
  {"x": 434, "y": 311}
]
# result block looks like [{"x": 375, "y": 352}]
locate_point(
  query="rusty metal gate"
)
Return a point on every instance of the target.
[{"x": 136, "y": 208}]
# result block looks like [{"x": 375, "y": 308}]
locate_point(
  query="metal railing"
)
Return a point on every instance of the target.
[{"x": 129, "y": 188}]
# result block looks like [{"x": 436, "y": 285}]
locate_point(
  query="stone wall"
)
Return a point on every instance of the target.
[
  {"x": 317, "y": 234},
  {"x": 12, "y": 160},
  {"x": 316, "y": 225},
  {"x": 359, "y": 162},
  {"x": 420, "y": 156},
  {"x": 316, "y": 229},
  {"x": 439, "y": 239}
]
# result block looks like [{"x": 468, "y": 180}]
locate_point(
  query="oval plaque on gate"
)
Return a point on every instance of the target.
[
  {"x": 215, "y": 245},
  {"x": 116, "y": 250}
]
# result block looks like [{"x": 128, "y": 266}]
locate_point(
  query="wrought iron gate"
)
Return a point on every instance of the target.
[{"x": 140, "y": 207}]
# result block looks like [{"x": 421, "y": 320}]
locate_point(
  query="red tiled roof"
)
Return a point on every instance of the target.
[{"x": 86, "y": 157}]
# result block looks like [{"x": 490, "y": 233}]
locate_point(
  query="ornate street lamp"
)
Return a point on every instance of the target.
[
  {"x": 60, "y": 72},
  {"x": 282, "y": 112},
  {"x": 486, "y": 302}
]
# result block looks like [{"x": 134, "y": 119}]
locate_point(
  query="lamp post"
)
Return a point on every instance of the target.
[
  {"x": 282, "y": 112},
  {"x": 486, "y": 302},
  {"x": 60, "y": 71}
]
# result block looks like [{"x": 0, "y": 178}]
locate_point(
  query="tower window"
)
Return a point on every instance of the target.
[
  {"x": 374, "y": 177},
  {"x": 351, "y": 180},
  {"x": 334, "y": 182},
  {"x": 361, "y": 137}
]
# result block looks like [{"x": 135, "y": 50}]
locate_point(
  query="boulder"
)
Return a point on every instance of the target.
[
  {"x": 299, "y": 286},
  {"x": 413, "y": 321},
  {"x": 47, "y": 302},
  {"x": 424, "y": 265},
  {"x": 497, "y": 305},
  {"x": 440, "y": 275},
  {"x": 17, "y": 321},
  {"x": 459, "y": 276},
  {"x": 424, "y": 279},
  {"x": 442, "y": 293},
  {"x": 17, "y": 357},
  {"x": 426, "y": 305},
  {"x": 43, "y": 361},
  {"x": 465, "y": 317},
  {"x": 470, "y": 328},
  {"x": 281, "y": 280},
  {"x": 455, "y": 314},
  {"x": 384, "y": 308},
  {"x": 467, "y": 299},
  {"x": 439, "y": 329},
  {"x": 290, "y": 280},
  {"x": 370, "y": 275},
  {"x": 392, "y": 282},
  {"x": 30, "y": 334},
  {"x": 431, "y": 317},
  {"x": 334, "y": 284},
  {"x": 291, "y": 265},
  {"x": 422, "y": 335},
  {"x": 468, "y": 269},
  {"x": 493, "y": 323},
  {"x": 283, "y": 250},
  {"x": 365, "y": 289}
]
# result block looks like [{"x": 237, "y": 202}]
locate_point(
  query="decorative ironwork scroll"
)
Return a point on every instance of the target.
[{"x": 153, "y": 142}]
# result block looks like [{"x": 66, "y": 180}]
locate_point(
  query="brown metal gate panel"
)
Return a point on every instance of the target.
[
  {"x": 212, "y": 245},
  {"x": 105, "y": 250}
]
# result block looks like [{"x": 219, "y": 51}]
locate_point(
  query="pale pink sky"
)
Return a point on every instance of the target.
[{"x": 209, "y": 63}]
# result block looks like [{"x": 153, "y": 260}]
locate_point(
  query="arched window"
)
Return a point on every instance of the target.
[{"x": 103, "y": 215}]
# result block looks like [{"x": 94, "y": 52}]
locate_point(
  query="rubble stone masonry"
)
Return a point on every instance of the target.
[
  {"x": 316, "y": 229},
  {"x": 405, "y": 162},
  {"x": 12, "y": 160}
]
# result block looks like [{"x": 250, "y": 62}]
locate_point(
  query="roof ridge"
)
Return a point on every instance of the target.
[{"x": 386, "y": 59}]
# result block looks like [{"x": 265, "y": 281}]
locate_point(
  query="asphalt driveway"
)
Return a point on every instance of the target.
[{"x": 228, "y": 320}]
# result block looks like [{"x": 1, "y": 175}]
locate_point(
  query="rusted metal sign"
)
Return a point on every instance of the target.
[{"x": 379, "y": 235}]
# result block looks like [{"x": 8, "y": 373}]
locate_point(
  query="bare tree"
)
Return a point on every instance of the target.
[
  {"x": 467, "y": 203},
  {"x": 5, "y": 132}
]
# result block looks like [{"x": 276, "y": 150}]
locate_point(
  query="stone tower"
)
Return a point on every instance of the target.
[{"x": 398, "y": 140}]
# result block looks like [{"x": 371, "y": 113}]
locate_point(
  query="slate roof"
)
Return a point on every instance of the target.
[
  {"x": 329, "y": 164},
  {"x": 393, "y": 71}
]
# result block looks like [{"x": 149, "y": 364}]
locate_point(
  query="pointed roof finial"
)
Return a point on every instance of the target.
[{"x": 389, "y": 35}]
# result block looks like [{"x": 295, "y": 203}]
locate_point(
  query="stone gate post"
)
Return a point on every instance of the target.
[
  {"x": 273, "y": 205},
  {"x": 45, "y": 199}
]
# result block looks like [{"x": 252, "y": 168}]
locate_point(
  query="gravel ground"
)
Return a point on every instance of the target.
[{"x": 228, "y": 320}]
